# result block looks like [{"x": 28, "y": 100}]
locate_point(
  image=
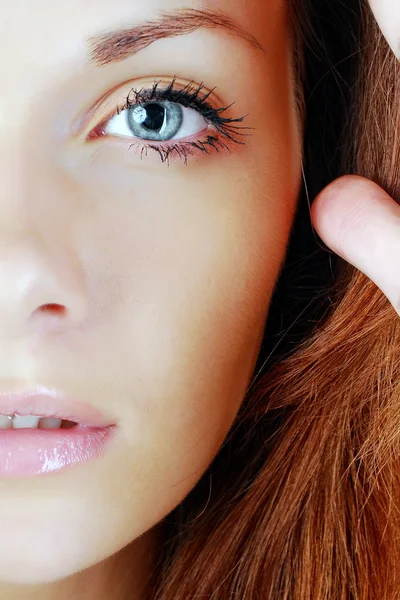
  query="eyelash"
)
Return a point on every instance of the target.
[{"x": 227, "y": 130}]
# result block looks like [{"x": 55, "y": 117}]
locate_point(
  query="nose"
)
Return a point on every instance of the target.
[
  {"x": 42, "y": 277},
  {"x": 41, "y": 287}
]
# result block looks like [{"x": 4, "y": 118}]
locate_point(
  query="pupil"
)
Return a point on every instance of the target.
[
  {"x": 154, "y": 117},
  {"x": 158, "y": 121}
]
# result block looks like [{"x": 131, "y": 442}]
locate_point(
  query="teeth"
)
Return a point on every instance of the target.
[
  {"x": 5, "y": 422},
  {"x": 49, "y": 423},
  {"x": 30, "y": 421},
  {"x": 33, "y": 422}
]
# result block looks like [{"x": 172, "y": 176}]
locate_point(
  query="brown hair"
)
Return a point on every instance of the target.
[{"x": 305, "y": 495}]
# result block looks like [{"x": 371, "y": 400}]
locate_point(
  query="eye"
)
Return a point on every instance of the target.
[
  {"x": 169, "y": 118},
  {"x": 158, "y": 121}
]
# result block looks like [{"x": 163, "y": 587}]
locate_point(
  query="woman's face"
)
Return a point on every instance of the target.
[{"x": 162, "y": 252}]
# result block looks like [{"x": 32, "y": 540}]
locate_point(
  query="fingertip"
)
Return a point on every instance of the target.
[
  {"x": 360, "y": 222},
  {"x": 348, "y": 201},
  {"x": 340, "y": 190}
]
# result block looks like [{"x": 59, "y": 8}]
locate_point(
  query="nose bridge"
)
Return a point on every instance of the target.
[
  {"x": 21, "y": 149},
  {"x": 14, "y": 182},
  {"x": 22, "y": 200},
  {"x": 38, "y": 263},
  {"x": 39, "y": 266}
]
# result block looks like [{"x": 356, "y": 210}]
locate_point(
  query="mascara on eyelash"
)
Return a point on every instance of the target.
[{"x": 189, "y": 97}]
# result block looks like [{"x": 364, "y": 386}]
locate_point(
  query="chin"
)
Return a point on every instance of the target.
[{"x": 43, "y": 555}]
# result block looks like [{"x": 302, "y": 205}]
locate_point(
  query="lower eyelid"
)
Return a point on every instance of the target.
[
  {"x": 195, "y": 138},
  {"x": 137, "y": 153}
]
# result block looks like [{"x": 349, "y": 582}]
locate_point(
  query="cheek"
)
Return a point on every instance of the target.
[
  {"x": 191, "y": 275},
  {"x": 191, "y": 279}
]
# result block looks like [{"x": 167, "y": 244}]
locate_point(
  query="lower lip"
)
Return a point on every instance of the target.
[{"x": 28, "y": 452}]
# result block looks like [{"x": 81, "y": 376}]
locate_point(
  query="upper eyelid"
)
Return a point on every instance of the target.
[
  {"x": 170, "y": 94},
  {"x": 190, "y": 95},
  {"x": 108, "y": 105}
]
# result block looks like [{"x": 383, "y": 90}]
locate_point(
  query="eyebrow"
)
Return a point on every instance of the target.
[{"x": 122, "y": 43}]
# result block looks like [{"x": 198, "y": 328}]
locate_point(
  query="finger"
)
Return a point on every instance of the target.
[
  {"x": 387, "y": 13},
  {"x": 361, "y": 223}
]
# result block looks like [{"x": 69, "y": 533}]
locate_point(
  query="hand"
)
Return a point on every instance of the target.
[
  {"x": 361, "y": 223},
  {"x": 387, "y": 13}
]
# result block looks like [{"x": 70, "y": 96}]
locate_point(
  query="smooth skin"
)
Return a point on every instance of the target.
[{"x": 162, "y": 274}]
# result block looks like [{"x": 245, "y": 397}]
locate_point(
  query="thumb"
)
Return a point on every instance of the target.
[{"x": 361, "y": 223}]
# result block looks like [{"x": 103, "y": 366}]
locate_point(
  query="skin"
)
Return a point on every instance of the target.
[{"x": 165, "y": 274}]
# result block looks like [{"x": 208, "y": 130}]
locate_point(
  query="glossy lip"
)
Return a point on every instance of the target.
[
  {"x": 31, "y": 452},
  {"x": 46, "y": 402}
]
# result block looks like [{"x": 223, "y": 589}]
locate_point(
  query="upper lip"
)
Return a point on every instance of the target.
[{"x": 46, "y": 402}]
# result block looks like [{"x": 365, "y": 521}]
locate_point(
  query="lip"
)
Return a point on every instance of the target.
[
  {"x": 46, "y": 402},
  {"x": 31, "y": 452}
]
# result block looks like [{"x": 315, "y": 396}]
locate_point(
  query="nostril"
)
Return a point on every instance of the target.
[
  {"x": 54, "y": 308},
  {"x": 50, "y": 313},
  {"x": 49, "y": 317}
]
